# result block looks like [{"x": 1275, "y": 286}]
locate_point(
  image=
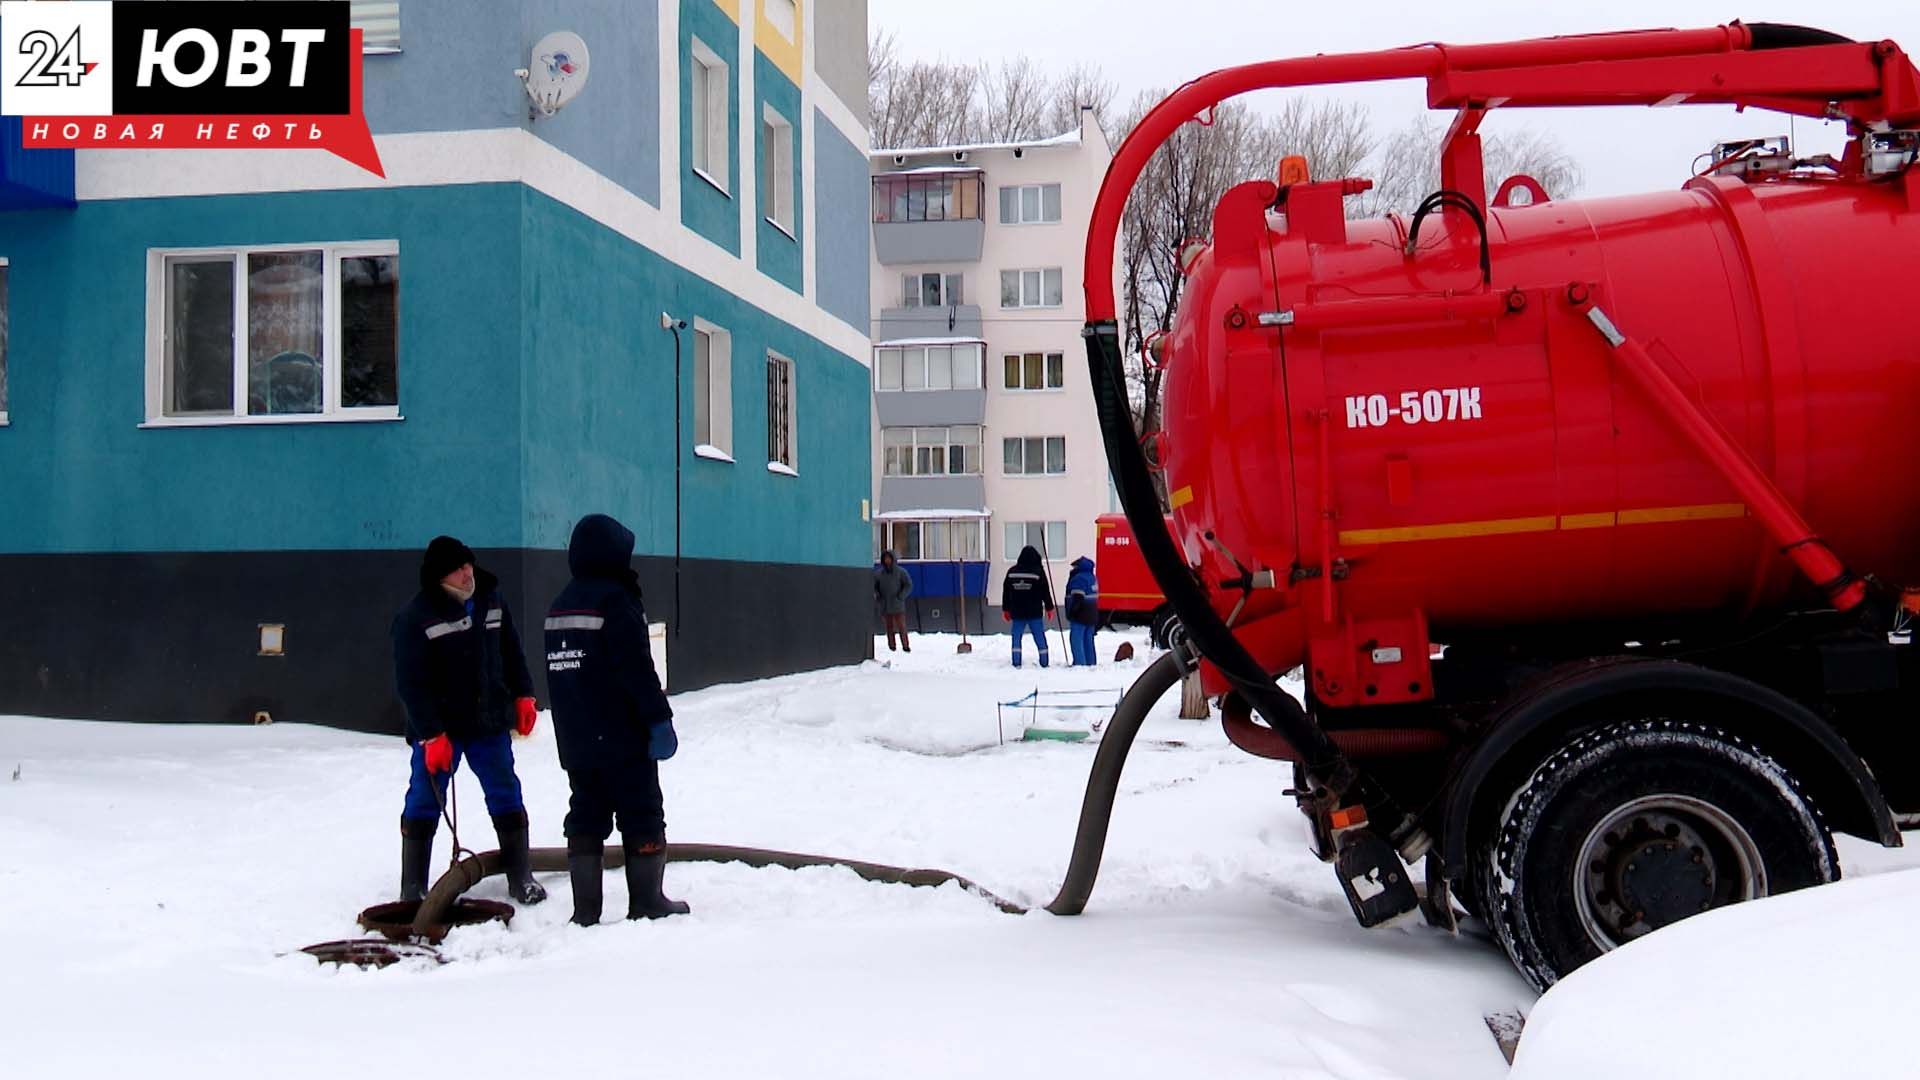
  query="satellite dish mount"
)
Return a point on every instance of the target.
[{"x": 557, "y": 74}]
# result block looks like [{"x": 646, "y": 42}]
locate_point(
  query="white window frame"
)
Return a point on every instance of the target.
[
  {"x": 888, "y": 538},
  {"x": 1039, "y": 276},
  {"x": 332, "y": 369},
  {"x": 776, "y": 187},
  {"x": 946, "y": 443},
  {"x": 896, "y": 358},
  {"x": 791, "y": 465},
  {"x": 379, "y": 23},
  {"x": 1025, "y": 473},
  {"x": 1018, "y": 193},
  {"x": 913, "y": 289},
  {"x": 783, "y": 16},
  {"x": 708, "y": 66},
  {"x": 718, "y": 445},
  {"x": 1049, "y": 552},
  {"x": 1046, "y": 371},
  {"x": 6, "y": 322}
]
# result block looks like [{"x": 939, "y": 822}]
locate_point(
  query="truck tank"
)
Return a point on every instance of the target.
[{"x": 1493, "y": 466}]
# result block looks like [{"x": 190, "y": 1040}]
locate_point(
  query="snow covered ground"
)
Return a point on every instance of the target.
[{"x": 156, "y": 882}]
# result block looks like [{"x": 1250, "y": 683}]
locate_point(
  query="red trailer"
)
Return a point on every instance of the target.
[
  {"x": 1639, "y": 463},
  {"x": 1128, "y": 592}
]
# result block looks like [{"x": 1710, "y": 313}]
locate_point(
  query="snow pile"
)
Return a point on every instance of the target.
[
  {"x": 156, "y": 880},
  {"x": 1813, "y": 983}
]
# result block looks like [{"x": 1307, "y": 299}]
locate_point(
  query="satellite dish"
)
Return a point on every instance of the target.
[{"x": 558, "y": 72}]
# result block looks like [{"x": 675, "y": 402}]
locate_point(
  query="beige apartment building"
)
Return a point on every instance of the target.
[{"x": 985, "y": 436}]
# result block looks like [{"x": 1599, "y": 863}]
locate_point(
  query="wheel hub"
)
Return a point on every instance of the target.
[{"x": 1658, "y": 859}]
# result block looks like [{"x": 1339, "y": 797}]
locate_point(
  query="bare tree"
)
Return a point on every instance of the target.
[
  {"x": 1084, "y": 86},
  {"x": 923, "y": 103},
  {"x": 1015, "y": 97},
  {"x": 1407, "y": 168}
]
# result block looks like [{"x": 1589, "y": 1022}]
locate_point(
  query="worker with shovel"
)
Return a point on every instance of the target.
[{"x": 464, "y": 682}]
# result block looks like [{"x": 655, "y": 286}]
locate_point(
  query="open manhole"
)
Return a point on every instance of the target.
[
  {"x": 394, "y": 919},
  {"x": 371, "y": 952}
]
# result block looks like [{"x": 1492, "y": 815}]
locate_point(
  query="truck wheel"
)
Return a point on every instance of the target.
[
  {"x": 1636, "y": 825},
  {"x": 1166, "y": 630}
]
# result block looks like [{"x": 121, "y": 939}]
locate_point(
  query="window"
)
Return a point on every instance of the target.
[
  {"x": 1030, "y": 204},
  {"x": 779, "y": 412},
  {"x": 712, "y": 391},
  {"x": 929, "y": 367},
  {"x": 1034, "y": 455},
  {"x": 782, "y": 15},
  {"x": 947, "y": 539},
  {"x": 709, "y": 95},
  {"x": 936, "y": 197},
  {"x": 280, "y": 331},
  {"x": 776, "y": 165},
  {"x": 379, "y": 24},
  {"x": 1030, "y": 288},
  {"x": 3, "y": 341},
  {"x": 931, "y": 451},
  {"x": 1049, "y": 538},
  {"x": 1035, "y": 371},
  {"x": 930, "y": 290}
]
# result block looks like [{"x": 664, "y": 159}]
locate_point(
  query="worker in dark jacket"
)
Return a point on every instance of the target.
[
  {"x": 1083, "y": 610},
  {"x": 612, "y": 721},
  {"x": 1025, "y": 600},
  {"x": 891, "y": 586},
  {"x": 464, "y": 682}
]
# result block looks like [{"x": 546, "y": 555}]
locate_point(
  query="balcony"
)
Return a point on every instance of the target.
[
  {"x": 929, "y": 215},
  {"x": 929, "y": 381},
  {"x": 930, "y": 322}
]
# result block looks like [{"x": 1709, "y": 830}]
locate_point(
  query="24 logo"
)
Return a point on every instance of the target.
[{"x": 53, "y": 63}]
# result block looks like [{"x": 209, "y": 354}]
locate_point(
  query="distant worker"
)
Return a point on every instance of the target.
[
  {"x": 891, "y": 586},
  {"x": 611, "y": 720},
  {"x": 1025, "y": 601},
  {"x": 464, "y": 682},
  {"x": 1083, "y": 610}
]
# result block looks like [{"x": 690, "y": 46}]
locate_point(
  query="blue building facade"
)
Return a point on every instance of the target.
[{"x": 243, "y": 390}]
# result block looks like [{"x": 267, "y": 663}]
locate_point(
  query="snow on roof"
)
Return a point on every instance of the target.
[
  {"x": 916, "y": 515},
  {"x": 898, "y": 342},
  {"x": 929, "y": 170},
  {"x": 1065, "y": 138}
]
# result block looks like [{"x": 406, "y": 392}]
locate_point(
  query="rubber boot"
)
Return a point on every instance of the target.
[
  {"x": 646, "y": 865},
  {"x": 416, "y": 854},
  {"x": 586, "y": 865},
  {"x": 511, "y": 828}
]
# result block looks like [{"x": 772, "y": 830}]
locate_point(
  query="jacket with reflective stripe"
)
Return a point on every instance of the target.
[
  {"x": 600, "y": 674},
  {"x": 459, "y": 666}
]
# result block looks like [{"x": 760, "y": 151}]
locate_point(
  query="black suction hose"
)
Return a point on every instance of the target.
[{"x": 1089, "y": 841}]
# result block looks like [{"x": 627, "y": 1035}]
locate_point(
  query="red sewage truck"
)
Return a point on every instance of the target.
[{"x": 1640, "y": 464}]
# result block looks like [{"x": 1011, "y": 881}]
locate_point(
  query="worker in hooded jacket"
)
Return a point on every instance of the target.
[
  {"x": 611, "y": 720},
  {"x": 1083, "y": 610},
  {"x": 465, "y": 685},
  {"x": 891, "y": 587},
  {"x": 1025, "y": 599}
]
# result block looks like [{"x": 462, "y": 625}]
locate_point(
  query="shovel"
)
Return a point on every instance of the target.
[{"x": 965, "y": 645}]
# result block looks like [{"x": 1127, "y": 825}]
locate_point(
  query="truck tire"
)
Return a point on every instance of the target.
[
  {"x": 1166, "y": 631},
  {"x": 1636, "y": 825}
]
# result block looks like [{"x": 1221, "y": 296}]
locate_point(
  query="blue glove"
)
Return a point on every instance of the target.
[{"x": 661, "y": 741}]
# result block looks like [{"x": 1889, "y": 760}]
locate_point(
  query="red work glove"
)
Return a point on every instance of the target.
[
  {"x": 527, "y": 714},
  {"x": 1004, "y": 617},
  {"x": 439, "y": 754}
]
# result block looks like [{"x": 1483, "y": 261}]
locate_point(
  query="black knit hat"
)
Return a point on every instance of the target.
[{"x": 444, "y": 556}]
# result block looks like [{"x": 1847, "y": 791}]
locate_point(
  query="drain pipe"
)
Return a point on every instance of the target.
[
  {"x": 668, "y": 322},
  {"x": 1083, "y": 867}
]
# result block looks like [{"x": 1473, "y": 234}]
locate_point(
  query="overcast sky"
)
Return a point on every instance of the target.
[{"x": 1161, "y": 43}]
